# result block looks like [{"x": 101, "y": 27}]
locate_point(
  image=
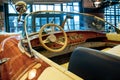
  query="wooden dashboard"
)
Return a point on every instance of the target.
[{"x": 74, "y": 37}]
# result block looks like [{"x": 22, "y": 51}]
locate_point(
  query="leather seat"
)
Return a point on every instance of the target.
[{"x": 92, "y": 64}]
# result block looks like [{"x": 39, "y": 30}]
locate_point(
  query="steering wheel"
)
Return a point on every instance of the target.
[{"x": 51, "y": 37}]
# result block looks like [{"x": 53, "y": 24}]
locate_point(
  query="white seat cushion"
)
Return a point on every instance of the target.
[{"x": 115, "y": 50}]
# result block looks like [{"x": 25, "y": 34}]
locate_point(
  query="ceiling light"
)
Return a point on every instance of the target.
[{"x": 97, "y": 3}]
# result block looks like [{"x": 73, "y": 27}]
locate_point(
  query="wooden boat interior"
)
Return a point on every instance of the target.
[{"x": 49, "y": 51}]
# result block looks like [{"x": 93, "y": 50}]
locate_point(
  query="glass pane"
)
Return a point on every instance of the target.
[
  {"x": 64, "y": 8},
  {"x": 14, "y": 25},
  {"x": 37, "y": 24},
  {"x": 33, "y": 7},
  {"x": 75, "y": 4},
  {"x": 43, "y": 7},
  {"x": 11, "y": 9},
  {"x": 70, "y": 4},
  {"x": 76, "y": 9},
  {"x": 43, "y": 21},
  {"x": 66, "y": 25},
  {"x": 57, "y": 7},
  {"x": 70, "y": 24},
  {"x": 69, "y": 8},
  {"x": 50, "y": 7},
  {"x": 57, "y": 20},
  {"x": 29, "y": 24},
  {"x": 64, "y": 4},
  {"x": 28, "y": 9},
  {"x": 76, "y": 20},
  {"x": 51, "y": 20},
  {"x": 36, "y": 7}
]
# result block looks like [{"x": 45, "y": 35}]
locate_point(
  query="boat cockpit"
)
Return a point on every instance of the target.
[{"x": 57, "y": 51}]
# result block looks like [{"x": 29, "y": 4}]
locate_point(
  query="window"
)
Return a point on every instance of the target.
[
  {"x": 57, "y": 7},
  {"x": 14, "y": 25},
  {"x": 11, "y": 9},
  {"x": 112, "y": 15},
  {"x": 72, "y": 24}
]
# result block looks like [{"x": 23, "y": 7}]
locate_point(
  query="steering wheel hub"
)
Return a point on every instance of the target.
[{"x": 52, "y": 38}]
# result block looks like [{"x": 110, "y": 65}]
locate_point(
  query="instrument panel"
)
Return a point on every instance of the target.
[{"x": 74, "y": 37}]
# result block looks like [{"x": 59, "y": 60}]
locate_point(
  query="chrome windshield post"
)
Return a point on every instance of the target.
[{"x": 21, "y": 8}]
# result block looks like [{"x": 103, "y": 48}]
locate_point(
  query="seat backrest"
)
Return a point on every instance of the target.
[{"x": 92, "y": 64}]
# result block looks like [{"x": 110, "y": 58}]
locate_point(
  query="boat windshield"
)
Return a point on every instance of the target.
[{"x": 68, "y": 21}]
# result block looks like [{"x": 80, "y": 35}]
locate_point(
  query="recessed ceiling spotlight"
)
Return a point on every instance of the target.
[{"x": 97, "y": 3}]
